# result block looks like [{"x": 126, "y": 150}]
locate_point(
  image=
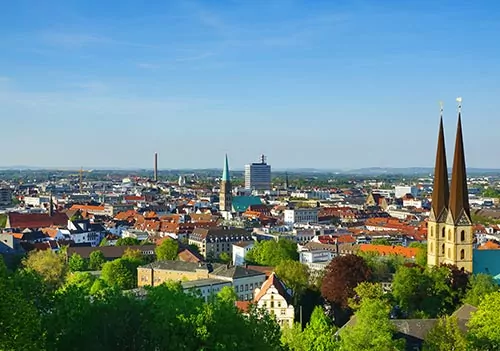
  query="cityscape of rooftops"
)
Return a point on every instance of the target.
[{"x": 273, "y": 175}]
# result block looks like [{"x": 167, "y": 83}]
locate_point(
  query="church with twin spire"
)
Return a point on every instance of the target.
[{"x": 450, "y": 232}]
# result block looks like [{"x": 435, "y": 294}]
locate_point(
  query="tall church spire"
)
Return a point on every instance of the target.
[
  {"x": 459, "y": 196},
  {"x": 441, "y": 192},
  {"x": 225, "y": 172}
]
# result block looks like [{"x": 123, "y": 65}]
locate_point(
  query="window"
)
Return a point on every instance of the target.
[
  {"x": 442, "y": 234},
  {"x": 442, "y": 249},
  {"x": 462, "y": 254},
  {"x": 462, "y": 235},
  {"x": 246, "y": 287},
  {"x": 432, "y": 232},
  {"x": 283, "y": 311},
  {"x": 272, "y": 304},
  {"x": 279, "y": 304},
  {"x": 449, "y": 253},
  {"x": 236, "y": 288}
]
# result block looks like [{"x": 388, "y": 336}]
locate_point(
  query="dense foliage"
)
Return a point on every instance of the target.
[
  {"x": 272, "y": 253},
  {"x": 167, "y": 250},
  {"x": 165, "y": 319},
  {"x": 342, "y": 275}
]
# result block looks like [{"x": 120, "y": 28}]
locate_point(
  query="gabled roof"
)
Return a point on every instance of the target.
[
  {"x": 408, "y": 252},
  {"x": 273, "y": 281},
  {"x": 36, "y": 220}
]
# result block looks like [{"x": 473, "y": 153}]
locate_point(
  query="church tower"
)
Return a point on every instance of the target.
[
  {"x": 436, "y": 226},
  {"x": 225, "y": 196},
  {"x": 459, "y": 228}
]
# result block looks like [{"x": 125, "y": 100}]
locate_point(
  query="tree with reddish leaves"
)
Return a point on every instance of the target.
[
  {"x": 459, "y": 281},
  {"x": 342, "y": 275}
]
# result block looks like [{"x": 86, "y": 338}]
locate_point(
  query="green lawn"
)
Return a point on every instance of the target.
[{"x": 3, "y": 220}]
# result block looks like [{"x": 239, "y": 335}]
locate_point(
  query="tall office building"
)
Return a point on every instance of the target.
[{"x": 258, "y": 175}]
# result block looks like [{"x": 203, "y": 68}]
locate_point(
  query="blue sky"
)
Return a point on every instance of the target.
[{"x": 324, "y": 84}]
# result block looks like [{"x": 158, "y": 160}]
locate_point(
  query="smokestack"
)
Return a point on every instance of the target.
[
  {"x": 156, "y": 167},
  {"x": 51, "y": 204}
]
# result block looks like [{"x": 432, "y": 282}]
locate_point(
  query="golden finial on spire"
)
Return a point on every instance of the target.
[
  {"x": 459, "y": 101},
  {"x": 441, "y": 109}
]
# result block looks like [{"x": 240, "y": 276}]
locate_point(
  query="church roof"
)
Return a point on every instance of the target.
[
  {"x": 441, "y": 192},
  {"x": 225, "y": 172},
  {"x": 459, "y": 194}
]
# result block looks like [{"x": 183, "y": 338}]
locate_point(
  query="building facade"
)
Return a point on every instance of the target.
[
  {"x": 214, "y": 241},
  {"x": 401, "y": 191},
  {"x": 258, "y": 175},
  {"x": 240, "y": 251},
  {"x": 450, "y": 231},
  {"x": 301, "y": 216},
  {"x": 5, "y": 197},
  {"x": 274, "y": 297}
]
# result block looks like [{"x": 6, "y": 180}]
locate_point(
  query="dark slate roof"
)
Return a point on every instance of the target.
[
  {"x": 220, "y": 234},
  {"x": 234, "y": 272},
  {"x": 180, "y": 266},
  {"x": 109, "y": 252}
]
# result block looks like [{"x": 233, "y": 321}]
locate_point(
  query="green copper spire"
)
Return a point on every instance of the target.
[{"x": 225, "y": 172}]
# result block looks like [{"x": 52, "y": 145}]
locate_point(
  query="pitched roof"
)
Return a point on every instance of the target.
[
  {"x": 242, "y": 203},
  {"x": 408, "y": 252},
  {"x": 441, "y": 191},
  {"x": 243, "y": 306},
  {"x": 459, "y": 194},
  {"x": 225, "y": 172},
  {"x": 489, "y": 245},
  {"x": 273, "y": 280},
  {"x": 36, "y": 220},
  {"x": 187, "y": 255}
]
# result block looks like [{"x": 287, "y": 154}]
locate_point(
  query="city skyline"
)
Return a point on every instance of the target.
[{"x": 102, "y": 85}]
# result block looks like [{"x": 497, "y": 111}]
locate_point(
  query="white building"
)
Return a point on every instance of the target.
[
  {"x": 36, "y": 201},
  {"x": 258, "y": 175},
  {"x": 82, "y": 231},
  {"x": 206, "y": 288},
  {"x": 412, "y": 203},
  {"x": 240, "y": 251},
  {"x": 136, "y": 234},
  {"x": 277, "y": 300},
  {"x": 301, "y": 216},
  {"x": 400, "y": 191},
  {"x": 316, "y": 260}
]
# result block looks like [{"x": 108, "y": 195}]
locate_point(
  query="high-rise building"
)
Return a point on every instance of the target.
[
  {"x": 225, "y": 196},
  {"x": 450, "y": 231},
  {"x": 258, "y": 175}
]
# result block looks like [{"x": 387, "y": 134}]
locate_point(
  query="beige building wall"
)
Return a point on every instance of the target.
[
  {"x": 154, "y": 277},
  {"x": 277, "y": 306}
]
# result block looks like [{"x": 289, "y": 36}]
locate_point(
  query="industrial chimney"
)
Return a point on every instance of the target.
[{"x": 156, "y": 167}]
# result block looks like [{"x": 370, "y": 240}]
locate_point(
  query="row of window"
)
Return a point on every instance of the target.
[
  {"x": 462, "y": 252},
  {"x": 462, "y": 234}
]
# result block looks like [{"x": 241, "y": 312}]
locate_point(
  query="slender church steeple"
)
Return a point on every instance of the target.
[
  {"x": 440, "y": 198},
  {"x": 459, "y": 197},
  {"x": 225, "y": 196},
  {"x": 441, "y": 191},
  {"x": 459, "y": 228}
]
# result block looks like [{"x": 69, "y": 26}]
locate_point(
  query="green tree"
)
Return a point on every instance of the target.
[
  {"x": 363, "y": 291},
  {"x": 319, "y": 335},
  {"x": 381, "y": 242},
  {"x": 104, "y": 242},
  {"x": 227, "y": 294},
  {"x": 82, "y": 280},
  {"x": 271, "y": 252},
  {"x": 21, "y": 327},
  {"x": 133, "y": 256},
  {"x": 127, "y": 242},
  {"x": 224, "y": 257},
  {"x": 96, "y": 260},
  {"x": 446, "y": 336},
  {"x": 484, "y": 333},
  {"x": 421, "y": 258},
  {"x": 480, "y": 285},
  {"x": 167, "y": 250},
  {"x": 49, "y": 265},
  {"x": 295, "y": 275},
  {"x": 372, "y": 331},
  {"x": 292, "y": 339},
  {"x": 121, "y": 273},
  {"x": 3, "y": 220},
  {"x": 76, "y": 263}
]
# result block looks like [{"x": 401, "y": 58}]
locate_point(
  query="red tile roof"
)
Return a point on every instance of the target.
[
  {"x": 490, "y": 245},
  {"x": 36, "y": 220},
  {"x": 243, "y": 306},
  {"x": 273, "y": 280},
  {"x": 385, "y": 250}
]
